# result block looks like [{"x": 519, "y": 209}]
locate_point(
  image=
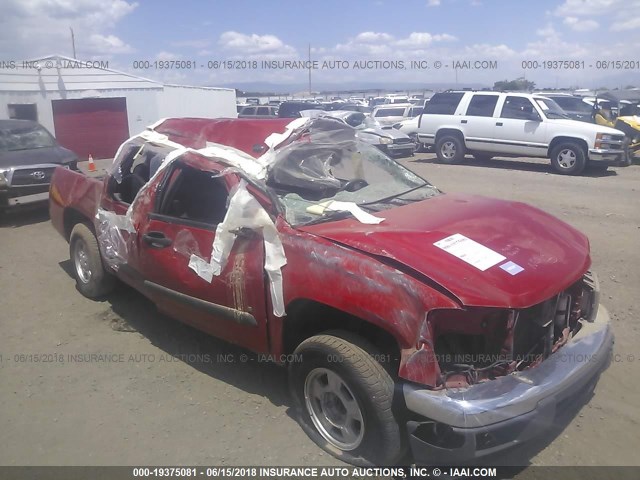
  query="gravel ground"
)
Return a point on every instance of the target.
[{"x": 145, "y": 402}]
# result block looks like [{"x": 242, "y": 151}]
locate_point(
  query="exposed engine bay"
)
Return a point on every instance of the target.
[{"x": 483, "y": 344}]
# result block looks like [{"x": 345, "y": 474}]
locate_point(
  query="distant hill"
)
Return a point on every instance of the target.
[{"x": 346, "y": 86}]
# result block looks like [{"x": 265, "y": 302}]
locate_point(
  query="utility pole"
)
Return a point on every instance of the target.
[{"x": 73, "y": 42}]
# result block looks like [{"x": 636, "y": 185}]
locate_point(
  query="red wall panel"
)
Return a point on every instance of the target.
[{"x": 95, "y": 126}]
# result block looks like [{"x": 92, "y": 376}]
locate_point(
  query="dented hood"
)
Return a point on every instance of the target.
[{"x": 551, "y": 254}]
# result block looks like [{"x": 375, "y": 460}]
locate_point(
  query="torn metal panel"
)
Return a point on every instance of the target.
[
  {"x": 351, "y": 207},
  {"x": 274, "y": 140},
  {"x": 246, "y": 163}
]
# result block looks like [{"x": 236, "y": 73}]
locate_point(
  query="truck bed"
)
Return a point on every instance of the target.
[{"x": 72, "y": 194}]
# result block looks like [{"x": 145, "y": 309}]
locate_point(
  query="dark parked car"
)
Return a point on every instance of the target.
[
  {"x": 348, "y": 107},
  {"x": 262, "y": 111},
  {"x": 293, "y": 109},
  {"x": 28, "y": 156},
  {"x": 575, "y": 107}
]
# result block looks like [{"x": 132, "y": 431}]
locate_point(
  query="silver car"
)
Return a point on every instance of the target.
[{"x": 388, "y": 139}]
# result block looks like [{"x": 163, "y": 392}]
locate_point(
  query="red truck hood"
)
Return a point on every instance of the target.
[{"x": 553, "y": 255}]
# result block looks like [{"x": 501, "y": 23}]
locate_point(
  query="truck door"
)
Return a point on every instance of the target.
[
  {"x": 478, "y": 123},
  {"x": 520, "y": 128},
  {"x": 191, "y": 201}
]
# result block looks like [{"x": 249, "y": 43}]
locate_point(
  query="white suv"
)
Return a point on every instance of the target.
[
  {"x": 488, "y": 124},
  {"x": 387, "y": 115}
]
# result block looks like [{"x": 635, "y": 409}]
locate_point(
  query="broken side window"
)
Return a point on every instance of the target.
[
  {"x": 134, "y": 166},
  {"x": 193, "y": 195}
]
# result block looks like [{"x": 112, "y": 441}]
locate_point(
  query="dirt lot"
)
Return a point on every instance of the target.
[{"x": 154, "y": 397}]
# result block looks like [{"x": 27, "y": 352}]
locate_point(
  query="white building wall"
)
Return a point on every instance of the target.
[
  {"x": 181, "y": 101},
  {"x": 148, "y": 101}
]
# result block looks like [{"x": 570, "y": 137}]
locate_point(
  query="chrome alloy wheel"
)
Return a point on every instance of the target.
[
  {"x": 81, "y": 261},
  {"x": 334, "y": 409},
  {"x": 566, "y": 158},
  {"x": 448, "y": 150}
]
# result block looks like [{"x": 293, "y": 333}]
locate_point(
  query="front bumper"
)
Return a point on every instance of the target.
[
  {"x": 616, "y": 158},
  {"x": 26, "y": 184},
  {"x": 457, "y": 426},
  {"x": 399, "y": 148}
]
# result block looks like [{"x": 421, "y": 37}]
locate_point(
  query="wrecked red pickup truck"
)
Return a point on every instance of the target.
[{"x": 452, "y": 325}]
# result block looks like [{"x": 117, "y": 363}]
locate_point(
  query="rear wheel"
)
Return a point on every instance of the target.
[
  {"x": 92, "y": 280},
  {"x": 450, "y": 149},
  {"x": 568, "y": 158},
  {"x": 344, "y": 399}
]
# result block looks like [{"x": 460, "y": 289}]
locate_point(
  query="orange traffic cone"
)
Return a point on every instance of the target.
[{"x": 92, "y": 164}]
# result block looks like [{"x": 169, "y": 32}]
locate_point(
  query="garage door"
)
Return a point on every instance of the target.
[{"x": 95, "y": 126}]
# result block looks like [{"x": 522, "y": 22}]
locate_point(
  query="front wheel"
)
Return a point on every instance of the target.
[
  {"x": 344, "y": 399},
  {"x": 568, "y": 158},
  {"x": 92, "y": 280},
  {"x": 450, "y": 149}
]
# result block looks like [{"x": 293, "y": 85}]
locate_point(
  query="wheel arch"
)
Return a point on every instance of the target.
[
  {"x": 562, "y": 138},
  {"x": 71, "y": 217},
  {"x": 450, "y": 131},
  {"x": 306, "y": 318}
]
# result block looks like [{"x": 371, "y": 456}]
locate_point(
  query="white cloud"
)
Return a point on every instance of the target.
[
  {"x": 433, "y": 3},
  {"x": 591, "y": 7},
  {"x": 30, "y": 28},
  {"x": 547, "y": 32},
  {"x": 484, "y": 50},
  {"x": 255, "y": 46},
  {"x": 580, "y": 25},
  {"x": 98, "y": 44},
  {"x": 167, "y": 56},
  {"x": 423, "y": 39},
  {"x": 380, "y": 43},
  {"x": 628, "y": 24},
  {"x": 622, "y": 14},
  {"x": 372, "y": 37},
  {"x": 198, "y": 43}
]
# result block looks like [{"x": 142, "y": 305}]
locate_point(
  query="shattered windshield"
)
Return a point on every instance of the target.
[
  {"x": 25, "y": 138},
  {"x": 329, "y": 163}
]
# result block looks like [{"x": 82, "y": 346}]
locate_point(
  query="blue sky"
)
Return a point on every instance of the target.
[{"x": 508, "y": 32}]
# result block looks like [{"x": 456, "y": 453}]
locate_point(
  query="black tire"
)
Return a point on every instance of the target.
[
  {"x": 450, "y": 149},
  {"x": 351, "y": 360},
  {"x": 482, "y": 157},
  {"x": 92, "y": 280},
  {"x": 568, "y": 158}
]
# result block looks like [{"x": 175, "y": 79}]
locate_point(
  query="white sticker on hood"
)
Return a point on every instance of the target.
[
  {"x": 512, "y": 268},
  {"x": 470, "y": 251}
]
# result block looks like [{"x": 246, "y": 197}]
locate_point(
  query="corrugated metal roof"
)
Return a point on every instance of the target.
[
  {"x": 59, "y": 73},
  {"x": 199, "y": 87}
]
